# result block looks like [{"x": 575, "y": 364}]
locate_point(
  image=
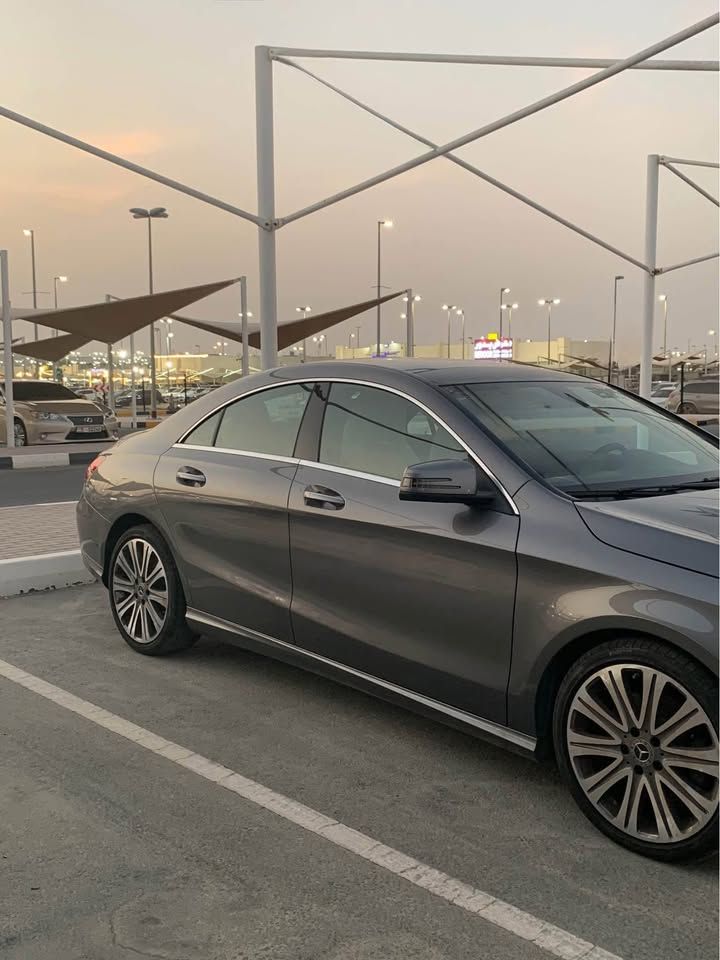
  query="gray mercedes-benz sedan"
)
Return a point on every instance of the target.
[{"x": 527, "y": 555}]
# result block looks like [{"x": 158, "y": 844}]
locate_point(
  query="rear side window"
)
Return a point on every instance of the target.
[
  {"x": 204, "y": 434},
  {"x": 381, "y": 433},
  {"x": 267, "y": 422},
  {"x": 703, "y": 386}
]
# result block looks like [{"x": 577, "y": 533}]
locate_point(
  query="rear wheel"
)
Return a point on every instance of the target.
[
  {"x": 146, "y": 596},
  {"x": 20, "y": 433},
  {"x": 687, "y": 407},
  {"x": 635, "y": 733}
]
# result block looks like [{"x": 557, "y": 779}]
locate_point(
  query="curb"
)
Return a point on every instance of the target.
[
  {"x": 48, "y": 571},
  {"x": 27, "y": 460}
]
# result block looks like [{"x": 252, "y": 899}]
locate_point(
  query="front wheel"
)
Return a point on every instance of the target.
[
  {"x": 635, "y": 734},
  {"x": 687, "y": 407},
  {"x": 146, "y": 595}
]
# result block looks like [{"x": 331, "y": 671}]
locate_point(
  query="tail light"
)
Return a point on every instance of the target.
[{"x": 93, "y": 466}]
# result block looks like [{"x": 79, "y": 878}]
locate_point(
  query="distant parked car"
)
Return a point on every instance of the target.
[
  {"x": 699, "y": 396},
  {"x": 47, "y": 412},
  {"x": 142, "y": 398},
  {"x": 661, "y": 393}
]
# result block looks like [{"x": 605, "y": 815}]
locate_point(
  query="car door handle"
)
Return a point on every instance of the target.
[
  {"x": 190, "y": 477},
  {"x": 317, "y": 496}
]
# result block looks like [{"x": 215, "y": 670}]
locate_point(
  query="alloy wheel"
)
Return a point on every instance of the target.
[
  {"x": 644, "y": 752},
  {"x": 20, "y": 434},
  {"x": 140, "y": 590}
]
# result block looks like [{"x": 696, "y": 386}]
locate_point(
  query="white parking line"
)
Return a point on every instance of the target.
[{"x": 546, "y": 936}]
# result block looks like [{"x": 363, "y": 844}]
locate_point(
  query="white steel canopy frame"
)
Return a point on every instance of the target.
[{"x": 268, "y": 223}]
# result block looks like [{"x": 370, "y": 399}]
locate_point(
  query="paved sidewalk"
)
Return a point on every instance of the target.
[{"x": 40, "y": 528}]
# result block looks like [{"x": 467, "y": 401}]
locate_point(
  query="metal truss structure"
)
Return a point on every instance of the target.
[{"x": 268, "y": 222}]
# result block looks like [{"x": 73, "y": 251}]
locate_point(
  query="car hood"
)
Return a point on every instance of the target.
[
  {"x": 72, "y": 408},
  {"x": 677, "y": 528}
]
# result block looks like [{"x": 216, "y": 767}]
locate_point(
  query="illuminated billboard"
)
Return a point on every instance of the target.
[{"x": 493, "y": 348}]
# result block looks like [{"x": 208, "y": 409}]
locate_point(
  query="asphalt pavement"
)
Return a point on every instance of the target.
[
  {"x": 41, "y": 485},
  {"x": 111, "y": 851}
]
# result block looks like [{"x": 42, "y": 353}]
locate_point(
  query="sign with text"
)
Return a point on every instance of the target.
[{"x": 493, "y": 348}]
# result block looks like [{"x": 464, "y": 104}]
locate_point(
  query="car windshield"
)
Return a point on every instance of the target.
[
  {"x": 587, "y": 437},
  {"x": 25, "y": 390}
]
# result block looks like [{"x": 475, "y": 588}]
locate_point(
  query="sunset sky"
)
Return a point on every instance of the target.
[{"x": 169, "y": 84}]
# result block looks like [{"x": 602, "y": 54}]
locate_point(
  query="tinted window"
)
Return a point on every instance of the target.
[
  {"x": 378, "y": 432},
  {"x": 265, "y": 422},
  {"x": 204, "y": 435},
  {"x": 587, "y": 436},
  {"x": 44, "y": 390},
  {"x": 706, "y": 386}
]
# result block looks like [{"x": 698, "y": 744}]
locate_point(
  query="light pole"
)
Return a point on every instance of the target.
[
  {"x": 448, "y": 308},
  {"x": 319, "y": 341},
  {"x": 31, "y": 234},
  {"x": 509, "y": 307},
  {"x": 351, "y": 337},
  {"x": 549, "y": 302},
  {"x": 380, "y": 225},
  {"x": 168, "y": 338},
  {"x": 461, "y": 314},
  {"x": 244, "y": 315},
  {"x": 57, "y": 280},
  {"x": 611, "y": 358},
  {"x": 503, "y": 291},
  {"x": 714, "y": 333},
  {"x": 665, "y": 300},
  {"x": 411, "y": 300},
  {"x": 155, "y": 213},
  {"x": 304, "y": 311}
]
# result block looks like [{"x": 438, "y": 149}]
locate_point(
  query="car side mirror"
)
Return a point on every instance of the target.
[{"x": 447, "y": 481}]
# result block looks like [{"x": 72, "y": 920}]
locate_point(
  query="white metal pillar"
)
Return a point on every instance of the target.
[
  {"x": 410, "y": 336},
  {"x": 7, "y": 350},
  {"x": 651, "y": 212},
  {"x": 266, "y": 206},
  {"x": 244, "y": 326}
]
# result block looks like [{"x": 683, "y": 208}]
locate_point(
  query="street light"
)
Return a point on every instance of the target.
[
  {"x": 31, "y": 234},
  {"x": 57, "y": 280},
  {"x": 503, "y": 291},
  {"x": 509, "y": 307},
  {"x": 319, "y": 341},
  {"x": 714, "y": 333},
  {"x": 448, "y": 308},
  {"x": 549, "y": 302},
  {"x": 665, "y": 300},
  {"x": 612, "y": 338},
  {"x": 169, "y": 337},
  {"x": 304, "y": 311},
  {"x": 380, "y": 225},
  {"x": 154, "y": 213},
  {"x": 461, "y": 314}
]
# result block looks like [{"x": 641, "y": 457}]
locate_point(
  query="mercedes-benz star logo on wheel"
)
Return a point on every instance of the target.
[{"x": 642, "y": 752}]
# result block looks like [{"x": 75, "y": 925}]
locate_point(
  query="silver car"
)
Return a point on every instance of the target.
[
  {"x": 47, "y": 412},
  {"x": 697, "y": 397},
  {"x": 527, "y": 555}
]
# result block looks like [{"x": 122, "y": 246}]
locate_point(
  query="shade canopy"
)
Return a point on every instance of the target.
[
  {"x": 122, "y": 322},
  {"x": 293, "y": 331},
  {"x": 117, "y": 319}
]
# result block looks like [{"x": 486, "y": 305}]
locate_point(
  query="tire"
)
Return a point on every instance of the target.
[
  {"x": 686, "y": 407},
  {"x": 21, "y": 438},
  {"x": 146, "y": 596},
  {"x": 627, "y": 780}
]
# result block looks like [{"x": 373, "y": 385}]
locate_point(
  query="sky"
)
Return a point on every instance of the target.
[{"x": 169, "y": 84}]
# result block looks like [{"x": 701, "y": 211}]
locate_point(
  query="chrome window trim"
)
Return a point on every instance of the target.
[
  {"x": 361, "y": 383},
  {"x": 515, "y": 737},
  {"x": 346, "y": 471},
  {"x": 236, "y": 453}
]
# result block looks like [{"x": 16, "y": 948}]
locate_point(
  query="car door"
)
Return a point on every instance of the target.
[
  {"x": 419, "y": 595},
  {"x": 223, "y": 492}
]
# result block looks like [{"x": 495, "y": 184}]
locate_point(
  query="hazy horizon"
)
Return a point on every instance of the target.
[{"x": 170, "y": 85}]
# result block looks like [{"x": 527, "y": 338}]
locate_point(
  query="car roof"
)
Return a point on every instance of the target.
[{"x": 432, "y": 371}]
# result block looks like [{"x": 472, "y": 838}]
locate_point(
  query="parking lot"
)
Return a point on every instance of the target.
[{"x": 112, "y": 850}]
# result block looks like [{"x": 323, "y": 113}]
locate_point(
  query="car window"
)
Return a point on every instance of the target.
[
  {"x": 702, "y": 386},
  {"x": 588, "y": 436},
  {"x": 378, "y": 432},
  {"x": 204, "y": 434},
  {"x": 25, "y": 390},
  {"x": 265, "y": 422}
]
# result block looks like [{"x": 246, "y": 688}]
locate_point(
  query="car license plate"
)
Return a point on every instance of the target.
[{"x": 93, "y": 429}]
